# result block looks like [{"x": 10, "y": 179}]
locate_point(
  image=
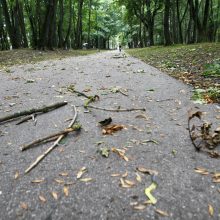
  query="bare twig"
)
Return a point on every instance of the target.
[
  {"x": 27, "y": 118},
  {"x": 65, "y": 132},
  {"x": 123, "y": 93},
  {"x": 56, "y": 143},
  {"x": 43, "y": 109},
  {"x": 116, "y": 110}
]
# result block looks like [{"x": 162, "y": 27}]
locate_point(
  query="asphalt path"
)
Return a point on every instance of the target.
[{"x": 181, "y": 193}]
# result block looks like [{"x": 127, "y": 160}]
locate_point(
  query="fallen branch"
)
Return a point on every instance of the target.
[
  {"x": 27, "y": 118},
  {"x": 43, "y": 109},
  {"x": 56, "y": 143},
  {"x": 32, "y": 144},
  {"x": 116, "y": 110}
]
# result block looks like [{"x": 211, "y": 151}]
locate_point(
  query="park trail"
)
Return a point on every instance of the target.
[{"x": 92, "y": 175}]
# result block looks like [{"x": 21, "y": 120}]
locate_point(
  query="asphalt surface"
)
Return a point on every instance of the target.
[{"x": 181, "y": 193}]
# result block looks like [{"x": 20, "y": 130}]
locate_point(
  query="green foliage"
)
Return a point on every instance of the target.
[{"x": 212, "y": 69}]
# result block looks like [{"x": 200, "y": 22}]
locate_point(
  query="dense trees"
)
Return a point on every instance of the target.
[{"x": 49, "y": 24}]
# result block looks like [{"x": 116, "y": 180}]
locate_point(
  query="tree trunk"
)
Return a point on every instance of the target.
[
  {"x": 89, "y": 24},
  {"x": 60, "y": 26},
  {"x": 166, "y": 23}
]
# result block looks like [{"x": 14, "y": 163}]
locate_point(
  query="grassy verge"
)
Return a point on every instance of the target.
[
  {"x": 23, "y": 56},
  {"x": 197, "y": 64}
]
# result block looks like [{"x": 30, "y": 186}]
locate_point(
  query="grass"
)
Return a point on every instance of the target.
[
  {"x": 24, "y": 56},
  {"x": 196, "y": 64}
]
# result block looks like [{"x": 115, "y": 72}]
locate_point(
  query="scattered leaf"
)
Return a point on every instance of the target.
[
  {"x": 147, "y": 171},
  {"x": 66, "y": 191},
  {"x": 201, "y": 170},
  {"x": 110, "y": 129},
  {"x": 86, "y": 179},
  {"x": 16, "y": 175},
  {"x": 64, "y": 174},
  {"x": 125, "y": 174},
  {"x": 105, "y": 122},
  {"x": 24, "y": 205},
  {"x": 123, "y": 184},
  {"x": 148, "y": 191},
  {"x": 161, "y": 212},
  {"x": 142, "y": 116},
  {"x": 42, "y": 198},
  {"x": 81, "y": 172},
  {"x": 120, "y": 152},
  {"x": 138, "y": 178},
  {"x": 59, "y": 181},
  {"x": 104, "y": 151},
  {"x": 211, "y": 210},
  {"x": 139, "y": 207},
  {"x": 37, "y": 181},
  {"x": 115, "y": 174},
  {"x": 55, "y": 195},
  {"x": 130, "y": 183}
]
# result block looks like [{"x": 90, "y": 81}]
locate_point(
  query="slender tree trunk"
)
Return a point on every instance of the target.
[
  {"x": 166, "y": 23},
  {"x": 89, "y": 24},
  {"x": 60, "y": 26},
  {"x": 66, "y": 42}
]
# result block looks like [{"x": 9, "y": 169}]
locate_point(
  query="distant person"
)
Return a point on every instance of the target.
[{"x": 119, "y": 48}]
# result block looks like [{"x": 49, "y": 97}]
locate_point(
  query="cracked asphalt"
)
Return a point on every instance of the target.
[{"x": 182, "y": 193}]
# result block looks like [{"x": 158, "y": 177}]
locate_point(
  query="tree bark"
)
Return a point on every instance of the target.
[{"x": 166, "y": 23}]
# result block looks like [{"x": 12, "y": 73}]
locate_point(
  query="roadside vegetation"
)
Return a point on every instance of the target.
[
  {"x": 196, "y": 64},
  {"x": 23, "y": 56}
]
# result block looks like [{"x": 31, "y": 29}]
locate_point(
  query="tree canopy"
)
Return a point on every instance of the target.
[{"x": 49, "y": 24}]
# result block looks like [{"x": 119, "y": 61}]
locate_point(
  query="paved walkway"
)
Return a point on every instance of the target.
[{"x": 181, "y": 193}]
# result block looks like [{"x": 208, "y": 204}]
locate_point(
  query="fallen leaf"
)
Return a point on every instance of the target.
[
  {"x": 139, "y": 207},
  {"x": 216, "y": 175},
  {"x": 125, "y": 174},
  {"x": 105, "y": 122},
  {"x": 147, "y": 171},
  {"x": 161, "y": 212},
  {"x": 24, "y": 205},
  {"x": 42, "y": 198},
  {"x": 194, "y": 113},
  {"x": 81, "y": 172},
  {"x": 138, "y": 178},
  {"x": 16, "y": 175},
  {"x": 142, "y": 116},
  {"x": 110, "y": 129},
  {"x": 37, "y": 181},
  {"x": 64, "y": 174},
  {"x": 55, "y": 195},
  {"x": 120, "y": 152},
  {"x": 148, "y": 191},
  {"x": 104, "y": 151},
  {"x": 115, "y": 174},
  {"x": 130, "y": 183},
  {"x": 69, "y": 183},
  {"x": 66, "y": 191},
  {"x": 123, "y": 184},
  {"x": 201, "y": 170},
  {"x": 211, "y": 210},
  {"x": 59, "y": 181},
  {"x": 86, "y": 179}
]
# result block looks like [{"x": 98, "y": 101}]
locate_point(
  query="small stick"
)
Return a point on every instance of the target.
[
  {"x": 56, "y": 143},
  {"x": 26, "y": 119},
  {"x": 123, "y": 93},
  {"x": 66, "y": 131},
  {"x": 43, "y": 109},
  {"x": 116, "y": 110}
]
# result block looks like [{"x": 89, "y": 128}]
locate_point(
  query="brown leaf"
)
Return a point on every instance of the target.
[
  {"x": 86, "y": 179},
  {"x": 115, "y": 174},
  {"x": 63, "y": 174},
  {"x": 139, "y": 207},
  {"x": 66, "y": 191},
  {"x": 125, "y": 174},
  {"x": 201, "y": 170},
  {"x": 194, "y": 113},
  {"x": 211, "y": 210},
  {"x": 24, "y": 205},
  {"x": 130, "y": 183},
  {"x": 120, "y": 152},
  {"x": 142, "y": 116},
  {"x": 110, "y": 129},
  {"x": 81, "y": 172},
  {"x": 37, "y": 181},
  {"x": 55, "y": 195},
  {"x": 123, "y": 184},
  {"x": 42, "y": 198},
  {"x": 147, "y": 171},
  {"x": 138, "y": 177},
  {"x": 161, "y": 212},
  {"x": 59, "y": 181},
  {"x": 16, "y": 175},
  {"x": 216, "y": 175}
]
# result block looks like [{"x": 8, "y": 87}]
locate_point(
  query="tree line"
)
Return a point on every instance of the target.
[{"x": 49, "y": 24}]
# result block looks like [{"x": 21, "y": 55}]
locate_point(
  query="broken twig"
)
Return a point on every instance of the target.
[
  {"x": 43, "y": 109},
  {"x": 32, "y": 144},
  {"x": 56, "y": 143},
  {"x": 116, "y": 110},
  {"x": 27, "y": 118}
]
